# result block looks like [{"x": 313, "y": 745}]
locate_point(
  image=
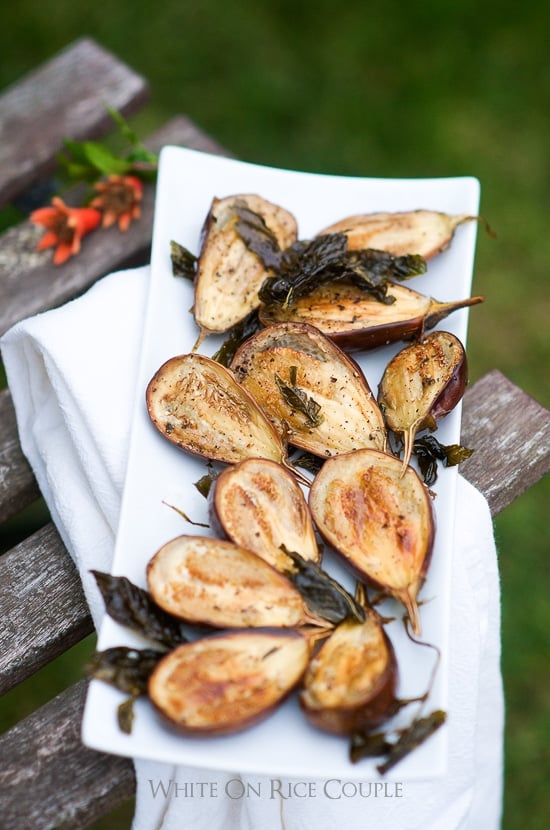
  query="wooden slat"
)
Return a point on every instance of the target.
[
  {"x": 30, "y": 283},
  {"x": 48, "y": 780},
  {"x": 18, "y": 487},
  {"x": 64, "y": 98},
  {"x": 510, "y": 434},
  {"x": 43, "y": 609}
]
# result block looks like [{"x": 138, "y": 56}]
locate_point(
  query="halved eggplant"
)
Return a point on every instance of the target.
[
  {"x": 423, "y": 232},
  {"x": 198, "y": 405},
  {"x": 228, "y": 682},
  {"x": 381, "y": 521},
  {"x": 355, "y": 320},
  {"x": 309, "y": 387},
  {"x": 350, "y": 683},
  {"x": 213, "y": 582},
  {"x": 229, "y": 273},
  {"x": 259, "y": 505},
  {"x": 422, "y": 383}
]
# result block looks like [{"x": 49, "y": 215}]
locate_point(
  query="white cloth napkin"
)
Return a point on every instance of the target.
[{"x": 72, "y": 375}]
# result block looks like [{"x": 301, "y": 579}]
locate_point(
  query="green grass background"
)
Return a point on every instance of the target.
[{"x": 394, "y": 89}]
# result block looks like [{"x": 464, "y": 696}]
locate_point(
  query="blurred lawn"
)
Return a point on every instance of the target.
[{"x": 423, "y": 89}]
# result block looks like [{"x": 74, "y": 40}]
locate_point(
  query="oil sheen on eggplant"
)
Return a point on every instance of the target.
[
  {"x": 310, "y": 389},
  {"x": 356, "y": 321},
  {"x": 259, "y": 505},
  {"x": 381, "y": 521},
  {"x": 228, "y": 682},
  {"x": 421, "y": 384},
  {"x": 229, "y": 274},
  {"x": 213, "y": 582},
  {"x": 423, "y": 232},
  {"x": 350, "y": 683},
  {"x": 198, "y": 405}
]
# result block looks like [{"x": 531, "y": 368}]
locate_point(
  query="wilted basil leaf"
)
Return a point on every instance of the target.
[
  {"x": 128, "y": 669},
  {"x": 323, "y": 594},
  {"x": 125, "y": 715},
  {"x": 237, "y": 335},
  {"x": 411, "y": 738},
  {"x": 429, "y": 451},
  {"x": 372, "y": 745},
  {"x": 308, "y": 461},
  {"x": 308, "y": 264},
  {"x": 133, "y": 607},
  {"x": 256, "y": 235},
  {"x": 368, "y": 745},
  {"x": 184, "y": 263},
  {"x": 297, "y": 399}
]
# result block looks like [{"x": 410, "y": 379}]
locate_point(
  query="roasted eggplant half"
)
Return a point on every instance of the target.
[
  {"x": 355, "y": 320},
  {"x": 198, "y": 405},
  {"x": 228, "y": 682},
  {"x": 213, "y": 582},
  {"x": 421, "y": 384},
  {"x": 423, "y": 232},
  {"x": 259, "y": 505},
  {"x": 381, "y": 521},
  {"x": 229, "y": 274},
  {"x": 350, "y": 683},
  {"x": 310, "y": 389}
]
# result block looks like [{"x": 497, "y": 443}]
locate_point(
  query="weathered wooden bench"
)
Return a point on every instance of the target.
[{"x": 47, "y": 778}]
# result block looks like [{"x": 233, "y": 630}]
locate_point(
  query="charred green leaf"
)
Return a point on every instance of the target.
[
  {"x": 307, "y": 264},
  {"x": 428, "y": 451},
  {"x": 128, "y": 669},
  {"x": 368, "y": 745},
  {"x": 184, "y": 263},
  {"x": 375, "y": 745},
  {"x": 257, "y": 236},
  {"x": 237, "y": 335},
  {"x": 206, "y": 481},
  {"x": 125, "y": 715},
  {"x": 411, "y": 738},
  {"x": 132, "y": 606},
  {"x": 323, "y": 594},
  {"x": 307, "y": 461},
  {"x": 300, "y": 401}
]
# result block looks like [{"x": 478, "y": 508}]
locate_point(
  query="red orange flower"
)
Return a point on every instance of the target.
[
  {"x": 65, "y": 227},
  {"x": 119, "y": 199}
]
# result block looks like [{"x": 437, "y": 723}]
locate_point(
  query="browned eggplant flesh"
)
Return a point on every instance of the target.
[
  {"x": 227, "y": 682},
  {"x": 229, "y": 274},
  {"x": 423, "y": 232},
  {"x": 310, "y": 389},
  {"x": 198, "y": 405},
  {"x": 356, "y": 321},
  {"x": 259, "y": 505},
  {"x": 422, "y": 384},
  {"x": 379, "y": 520},
  {"x": 350, "y": 683},
  {"x": 214, "y": 582}
]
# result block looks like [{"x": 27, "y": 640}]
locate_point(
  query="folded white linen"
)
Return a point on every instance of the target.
[{"x": 72, "y": 374}]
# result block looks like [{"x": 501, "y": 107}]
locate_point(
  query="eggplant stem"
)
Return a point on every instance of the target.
[
  {"x": 203, "y": 334},
  {"x": 301, "y": 477},
  {"x": 318, "y": 622},
  {"x": 408, "y": 442},
  {"x": 404, "y": 596}
]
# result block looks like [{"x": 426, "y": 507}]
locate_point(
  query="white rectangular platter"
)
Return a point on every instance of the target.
[{"x": 158, "y": 473}]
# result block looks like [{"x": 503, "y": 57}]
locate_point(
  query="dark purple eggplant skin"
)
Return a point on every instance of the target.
[
  {"x": 370, "y": 336},
  {"x": 453, "y": 391},
  {"x": 374, "y": 338}
]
